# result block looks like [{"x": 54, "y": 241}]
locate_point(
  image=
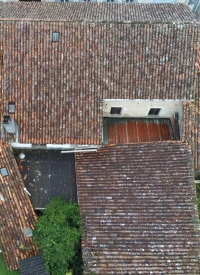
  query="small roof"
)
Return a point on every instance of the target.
[
  {"x": 33, "y": 266},
  {"x": 138, "y": 203},
  {"x": 17, "y": 213},
  {"x": 96, "y": 12}
]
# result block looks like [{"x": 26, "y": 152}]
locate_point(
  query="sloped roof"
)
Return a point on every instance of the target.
[
  {"x": 97, "y": 12},
  {"x": 16, "y": 213},
  {"x": 58, "y": 87},
  {"x": 138, "y": 203},
  {"x": 33, "y": 266}
]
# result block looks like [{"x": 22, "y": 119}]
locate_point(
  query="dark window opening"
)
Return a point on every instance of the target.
[
  {"x": 1, "y": 58},
  {"x": 197, "y": 175},
  {"x": 39, "y": 212},
  {"x": 6, "y": 119},
  {"x": 55, "y": 37},
  {"x": 115, "y": 110},
  {"x": 154, "y": 111}
]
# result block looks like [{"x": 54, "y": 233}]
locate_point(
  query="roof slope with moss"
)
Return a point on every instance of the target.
[
  {"x": 58, "y": 87},
  {"x": 138, "y": 204}
]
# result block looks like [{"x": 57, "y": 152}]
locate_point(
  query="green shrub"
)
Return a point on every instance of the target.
[
  {"x": 198, "y": 197},
  {"x": 58, "y": 234}
]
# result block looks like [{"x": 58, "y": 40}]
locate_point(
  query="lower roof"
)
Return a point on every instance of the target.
[
  {"x": 16, "y": 211},
  {"x": 33, "y": 266},
  {"x": 47, "y": 174},
  {"x": 138, "y": 203},
  {"x": 132, "y": 130}
]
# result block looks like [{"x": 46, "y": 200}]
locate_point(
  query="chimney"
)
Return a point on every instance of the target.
[{"x": 10, "y": 126}]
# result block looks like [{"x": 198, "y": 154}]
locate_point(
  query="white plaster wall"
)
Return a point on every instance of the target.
[{"x": 140, "y": 108}]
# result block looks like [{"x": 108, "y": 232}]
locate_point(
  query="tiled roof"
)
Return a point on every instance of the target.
[
  {"x": 138, "y": 204},
  {"x": 58, "y": 87},
  {"x": 16, "y": 213},
  {"x": 96, "y": 12}
]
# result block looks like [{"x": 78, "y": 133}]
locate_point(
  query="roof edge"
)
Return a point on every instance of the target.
[{"x": 195, "y": 22}]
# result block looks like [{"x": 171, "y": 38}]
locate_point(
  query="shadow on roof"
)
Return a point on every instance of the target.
[{"x": 47, "y": 174}]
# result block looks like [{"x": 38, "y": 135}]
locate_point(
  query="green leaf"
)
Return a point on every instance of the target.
[{"x": 57, "y": 234}]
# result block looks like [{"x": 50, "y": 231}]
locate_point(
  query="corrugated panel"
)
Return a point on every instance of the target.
[
  {"x": 164, "y": 131},
  {"x": 142, "y": 130},
  {"x": 137, "y": 130},
  {"x": 113, "y": 134},
  {"x": 154, "y": 133},
  {"x": 138, "y": 203},
  {"x": 132, "y": 131}
]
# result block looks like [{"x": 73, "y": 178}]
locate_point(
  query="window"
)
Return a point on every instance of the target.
[
  {"x": 115, "y": 110},
  {"x": 130, "y": 1},
  {"x": 4, "y": 172},
  {"x": 55, "y": 37},
  {"x": 11, "y": 107},
  {"x": 154, "y": 111}
]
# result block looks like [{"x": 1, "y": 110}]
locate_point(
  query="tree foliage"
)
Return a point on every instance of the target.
[
  {"x": 198, "y": 197},
  {"x": 57, "y": 234}
]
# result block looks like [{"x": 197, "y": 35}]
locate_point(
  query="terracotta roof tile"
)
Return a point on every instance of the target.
[
  {"x": 97, "y": 12},
  {"x": 16, "y": 213},
  {"x": 138, "y": 204},
  {"x": 58, "y": 87}
]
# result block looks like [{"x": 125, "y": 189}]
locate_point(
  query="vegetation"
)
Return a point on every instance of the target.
[
  {"x": 3, "y": 269},
  {"x": 198, "y": 197},
  {"x": 58, "y": 234}
]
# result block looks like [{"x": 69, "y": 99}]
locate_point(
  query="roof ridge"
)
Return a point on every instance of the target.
[{"x": 117, "y": 12}]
